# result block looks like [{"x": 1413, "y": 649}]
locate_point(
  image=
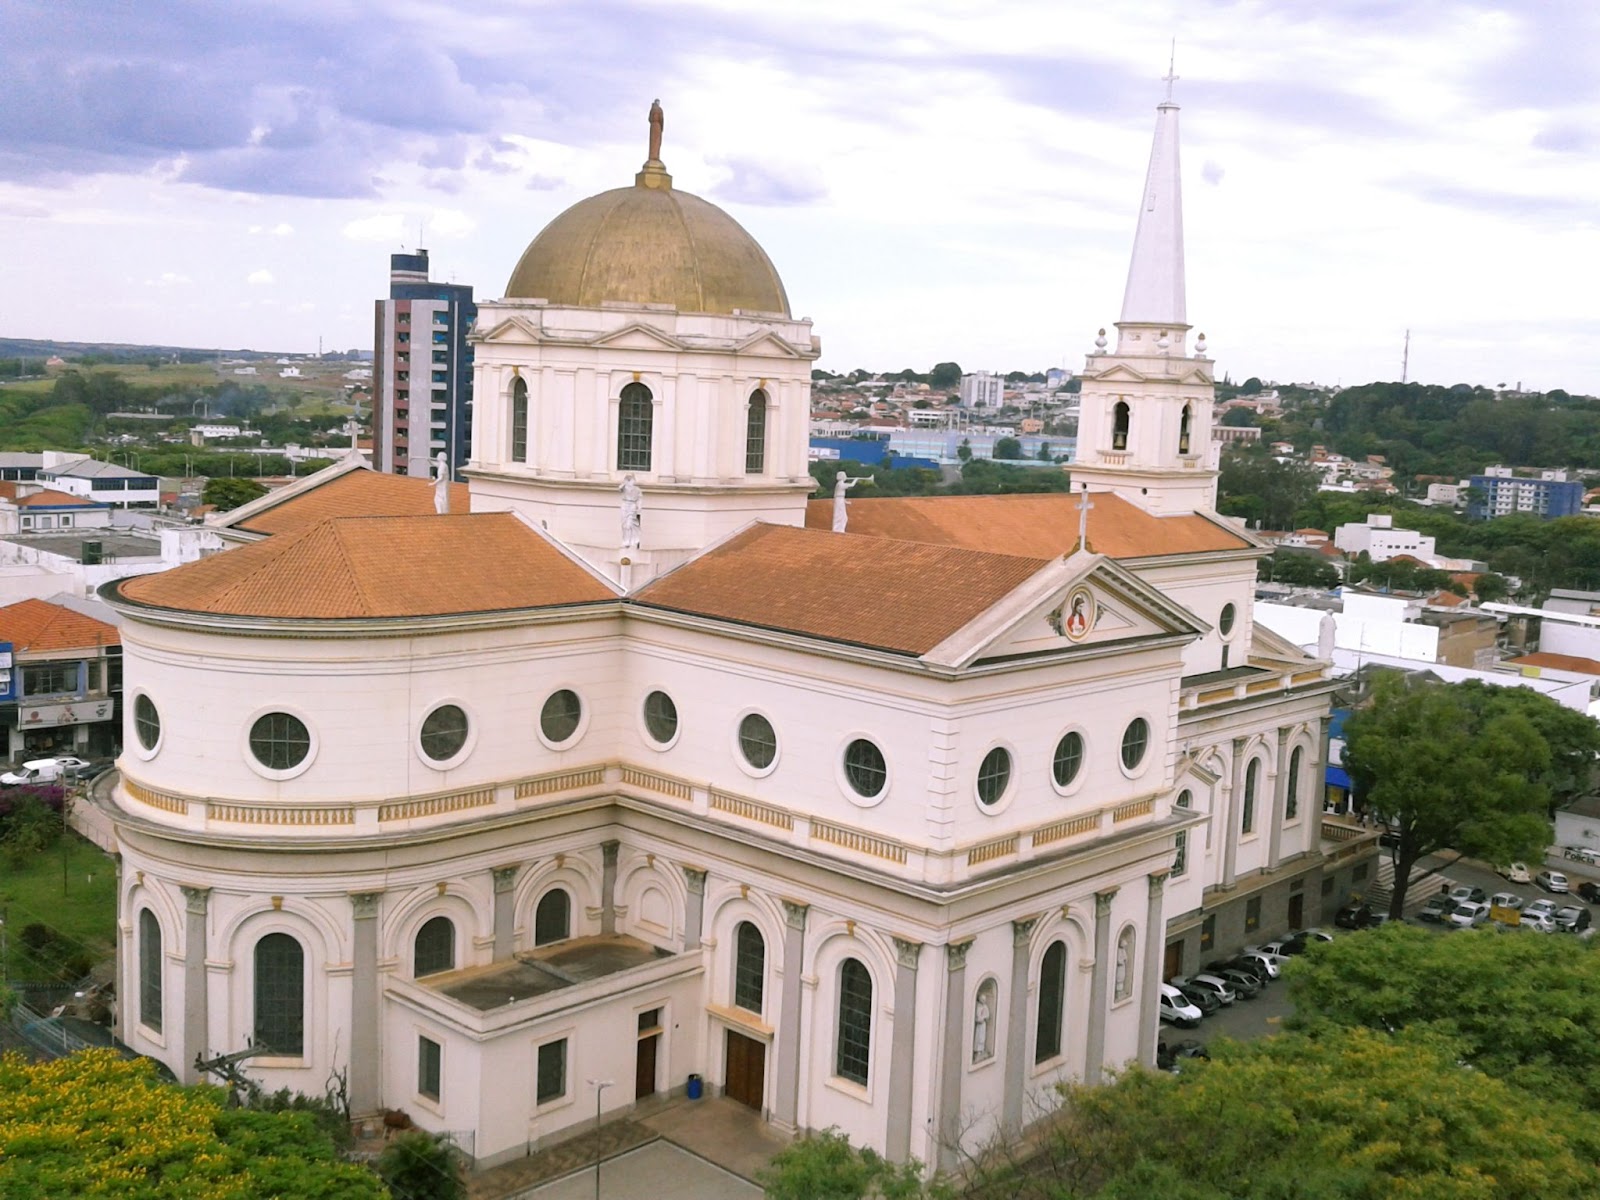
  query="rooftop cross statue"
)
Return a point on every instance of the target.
[
  {"x": 1171, "y": 77},
  {"x": 1084, "y": 505},
  {"x": 657, "y": 123}
]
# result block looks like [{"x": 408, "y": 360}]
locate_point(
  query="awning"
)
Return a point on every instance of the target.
[{"x": 1338, "y": 778}]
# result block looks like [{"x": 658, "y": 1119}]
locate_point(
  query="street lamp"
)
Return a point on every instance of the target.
[{"x": 599, "y": 1086}]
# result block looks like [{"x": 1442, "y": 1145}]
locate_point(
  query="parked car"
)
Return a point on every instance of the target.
[
  {"x": 1219, "y": 987},
  {"x": 1280, "y": 951},
  {"x": 1357, "y": 916},
  {"x": 1437, "y": 909},
  {"x": 1466, "y": 892},
  {"x": 1583, "y": 854},
  {"x": 1248, "y": 967},
  {"x": 46, "y": 770},
  {"x": 1244, "y": 984},
  {"x": 1506, "y": 900},
  {"x": 1170, "y": 1056},
  {"x": 1202, "y": 998},
  {"x": 1469, "y": 913},
  {"x": 1539, "y": 908},
  {"x": 1551, "y": 881},
  {"x": 1572, "y": 919},
  {"x": 1311, "y": 935},
  {"x": 1539, "y": 922},
  {"x": 1178, "y": 1008},
  {"x": 1267, "y": 963},
  {"x": 1589, "y": 892},
  {"x": 1515, "y": 873}
]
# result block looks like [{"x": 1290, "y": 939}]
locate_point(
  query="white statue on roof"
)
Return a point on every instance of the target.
[
  {"x": 842, "y": 483},
  {"x": 441, "y": 484},
  {"x": 632, "y": 498}
]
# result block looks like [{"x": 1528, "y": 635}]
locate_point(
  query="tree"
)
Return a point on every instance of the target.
[
  {"x": 825, "y": 1166},
  {"x": 1044, "y": 454},
  {"x": 1257, "y": 487},
  {"x": 420, "y": 1166},
  {"x": 1449, "y": 769},
  {"x": 95, "y": 1124},
  {"x": 227, "y": 492},
  {"x": 1250, "y": 387},
  {"x": 1008, "y": 447},
  {"x": 964, "y": 451},
  {"x": 1298, "y": 570},
  {"x": 945, "y": 375},
  {"x": 1490, "y": 587},
  {"x": 1525, "y": 1009},
  {"x": 1240, "y": 418}
]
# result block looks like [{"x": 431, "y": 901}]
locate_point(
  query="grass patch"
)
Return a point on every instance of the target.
[{"x": 82, "y": 910}]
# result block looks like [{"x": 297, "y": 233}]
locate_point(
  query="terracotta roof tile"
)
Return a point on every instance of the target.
[
  {"x": 379, "y": 567},
  {"x": 49, "y": 496},
  {"x": 1033, "y": 526},
  {"x": 39, "y": 625},
  {"x": 1559, "y": 662},
  {"x": 356, "y": 494},
  {"x": 827, "y": 585}
]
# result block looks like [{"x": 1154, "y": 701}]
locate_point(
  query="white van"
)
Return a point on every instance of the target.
[{"x": 46, "y": 770}]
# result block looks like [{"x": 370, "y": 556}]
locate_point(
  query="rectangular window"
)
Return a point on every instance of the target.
[
  {"x": 53, "y": 679},
  {"x": 552, "y": 1080},
  {"x": 1180, "y": 861},
  {"x": 93, "y": 683},
  {"x": 429, "y": 1060},
  {"x": 1359, "y": 874},
  {"x": 1208, "y": 934},
  {"x": 650, "y": 1020},
  {"x": 1252, "y": 914}
]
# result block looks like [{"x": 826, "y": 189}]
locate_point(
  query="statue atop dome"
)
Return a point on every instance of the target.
[{"x": 657, "y": 124}]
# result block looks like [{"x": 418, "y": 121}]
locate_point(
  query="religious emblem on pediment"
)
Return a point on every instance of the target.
[{"x": 1075, "y": 616}]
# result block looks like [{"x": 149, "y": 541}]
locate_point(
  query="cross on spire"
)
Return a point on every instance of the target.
[{"x": 1171, "y": 77}]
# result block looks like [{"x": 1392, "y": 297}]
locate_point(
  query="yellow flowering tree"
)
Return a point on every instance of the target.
[{"x": 97, "y": 1125}]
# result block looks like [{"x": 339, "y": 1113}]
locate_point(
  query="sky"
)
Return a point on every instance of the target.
[{"x": 935, "y": 181}]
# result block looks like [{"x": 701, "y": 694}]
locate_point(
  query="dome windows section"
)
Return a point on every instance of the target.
[
  {"x": 519, "y": 420},
  {"x": 280, "y": 745},
  {"x": 1068, "y": 760},
  {"x": 280, "y": 999},
  {"x": 435, "y": 948},
  {"x": 635, "y": 428},
  {"x": 1135, "y": 744},
  {"x": 561, "y": 718},
  {"x": 755, "y": 434},
  {"x": 150, "y": 989},
  {"x": 994, "y": 776},
  {"x": 1052, "y": 1003},
  {"x": 749, "y": 968},
  {"x": 1291, "y": 799},
  {"x": 146, "y": 723},
  {"x": 757, "y": 744},
  {"x": 661, "y": 718},
  {"x": 443, "y": 736},
  {"x": 865, "y": 769},
  {"x": 552, "y": 917},
  {"x": 853, "y": 1037}
]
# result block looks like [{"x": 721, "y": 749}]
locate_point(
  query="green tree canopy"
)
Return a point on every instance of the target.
[
  {"x": 228, "y": 493},
  {"x": 1298, "y": 569},
  {"x": 1008, "y": 447},
  {"x": 1257, "y": 487},
  {"x": 945, "y": 375}
]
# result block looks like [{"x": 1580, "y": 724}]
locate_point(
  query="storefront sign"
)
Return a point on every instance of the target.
[{"x": 83, "y": 712}]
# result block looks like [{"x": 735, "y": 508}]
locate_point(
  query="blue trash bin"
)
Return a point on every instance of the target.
[{"x": 696, "y": 1087}]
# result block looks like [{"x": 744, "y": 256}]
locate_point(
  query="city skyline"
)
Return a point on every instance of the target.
[{"x": 929, "y": 185}]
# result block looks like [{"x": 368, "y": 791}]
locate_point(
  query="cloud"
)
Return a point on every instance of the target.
[
  {"x": 1211, "y": 171},
  {"x": 173, "y": 279},
  {"x": 379, "y": 227},
  {"x": 281, "y": 229},
  {"x": 260, "y": 278},
  {"x": 750, "y": 182},
  {"x": 544, "y": 183},
  {"x": 1503, "y": 203},
  {"x": 20, "y": 208}
]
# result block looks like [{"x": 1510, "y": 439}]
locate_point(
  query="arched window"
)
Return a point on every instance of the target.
[
  {"x": 552, "y": 920},
  {"x": 435, "y": 948},
  {"x": 1291, "y": 802},
  {"x": 1180, "y": 862},
  {"x": 1119, "y": 426},
  {"x": 636, "y": 416},
  {"x": 749, "y": 967},
  {"x": 1252, "y": 777},
  {"x": 280, "y": 995},
  {"x": 149, "y": 970},
  {"x": 854, "y": 1053},
  {"x": 755, "y": 434},
  {"x": 1052, "y": 1000},
  {"x": 519, "y": 420},
  {"x": 1124, "y": 979},
  {"x": 1183, "y": 430}
]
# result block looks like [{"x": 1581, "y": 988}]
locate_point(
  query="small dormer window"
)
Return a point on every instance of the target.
[{"x": 1119, "y": 426}]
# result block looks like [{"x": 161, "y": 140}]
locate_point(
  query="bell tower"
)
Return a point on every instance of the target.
[{"x": 1144, "y": 423}]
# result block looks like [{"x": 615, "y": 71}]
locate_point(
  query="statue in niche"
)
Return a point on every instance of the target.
[
  {"x": 983, "y": 1022},
  {"x": 632, "y": 498},
  {"x": 1122, "y": 969}
]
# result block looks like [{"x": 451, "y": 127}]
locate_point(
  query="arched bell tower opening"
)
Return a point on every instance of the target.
[{"x": 644, "y": 333}]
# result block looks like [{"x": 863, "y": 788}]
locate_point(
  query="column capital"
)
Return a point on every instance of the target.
[
  {"x": 695, "y": 878},
  {"x": 907, "y": 952},
  {"x": 505, "y": 878},
  {"x": 608, "y": 851},
  {"x": 955, "y": 954},
  {"x": 794, "y": 913},
  {"x": 197, "y": 898},
  {"x": 1102, "y": 902},
  {"x": 1022, "y": 930},
  {"x": 364, "y": 905},
  {"x": 1158, "y": 882}
]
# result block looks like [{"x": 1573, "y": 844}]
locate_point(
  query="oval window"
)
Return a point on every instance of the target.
[
  {"x": 444, "y": 732},
  {"x": 146, "y": 722},
  {"x": 758, "y": 742},
  {"x": 864, "y": 767},
  {"x": 279, "y": 741},
  {"x": 660, "y": 716},
  {"x": 1225, "y": 622},
  {"x": 558, "y": 719},
  {"x": 1134, "y": 741},
  {"x": 993, "y": 776},
  {"x": 1068, "y": 759}
]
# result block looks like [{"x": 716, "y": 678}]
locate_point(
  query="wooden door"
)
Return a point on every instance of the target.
[
  {"x": 746, "y": 1072},
  {"x": 1172, "y": 964},
  {"x": 1297, "y": 910},
  {"x": 644, "y": 1071}
]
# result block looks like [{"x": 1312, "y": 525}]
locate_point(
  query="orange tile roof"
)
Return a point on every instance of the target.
[
  {"x": 357, "y": 567},
  {"x": 356, "y": 494},
  {"x": 1446, "y": 600},
  {"x": 49, "y": 496},
  {"x": 821, "y": 583},
  {"x": 1033, "y": 526},
  {"x": 1559, "y": 662},
  {"x": 40, "y": 626}
]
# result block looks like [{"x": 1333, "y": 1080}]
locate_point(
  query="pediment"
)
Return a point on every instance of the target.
[
  {"x": 512, "y": 329},
  {"x": 767, "y": 343},
  {"x": 1120, "y": 373},
  {"x": 1083, "y": 603},
  {"x": 637, "y": 336}
]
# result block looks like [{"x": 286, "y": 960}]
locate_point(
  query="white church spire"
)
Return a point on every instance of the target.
[{"x": 1154, "y": 295}]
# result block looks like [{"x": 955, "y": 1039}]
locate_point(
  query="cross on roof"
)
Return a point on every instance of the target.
[{"x": 1171, "y": 77}]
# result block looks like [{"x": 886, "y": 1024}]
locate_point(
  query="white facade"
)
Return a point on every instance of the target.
[
  {"x": 983, "y": 389},
  {"x": 1378, "y": 538}
]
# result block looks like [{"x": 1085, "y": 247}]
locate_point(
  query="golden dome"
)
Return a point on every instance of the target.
[{"x": 649, "y": 244}]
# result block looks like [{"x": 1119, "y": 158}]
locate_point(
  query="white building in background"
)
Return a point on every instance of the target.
[
  {"x": 1379, "y": 539},
  {"x": 878, "y": 814},
  {"x": 983, "y": 389}
]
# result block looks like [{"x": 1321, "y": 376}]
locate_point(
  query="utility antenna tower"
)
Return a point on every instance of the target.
[{"x": 1405, "y": 357}]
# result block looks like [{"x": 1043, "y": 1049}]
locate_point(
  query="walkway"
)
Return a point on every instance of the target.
[{"x": 660, "y": 1171}]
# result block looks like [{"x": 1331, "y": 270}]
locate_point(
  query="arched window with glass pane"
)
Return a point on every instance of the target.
[
  {"x": 552, "y": 920},
  {"x": 149, "y": 970},
  {"x": 635, "y": 427},
  {"x": 280, "y": 995},
  {"x": 1183, "y": 430},
  {"x": 853, "y": 1056},
  {"x": 1052, "y": 1002},
  {"x": 1291, "y": 801},
  {"x": 1252, "y": 779},
  {"x": 755, "y": 434},
  {"x": 519, "y": 420},
  {"x": 1120, "y": 417},
  {"x": 435, "y": 948},
  {"x": 749, "y": 967}
]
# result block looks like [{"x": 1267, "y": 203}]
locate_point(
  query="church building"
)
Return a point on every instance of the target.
[{"x": 631, "y": 759}]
